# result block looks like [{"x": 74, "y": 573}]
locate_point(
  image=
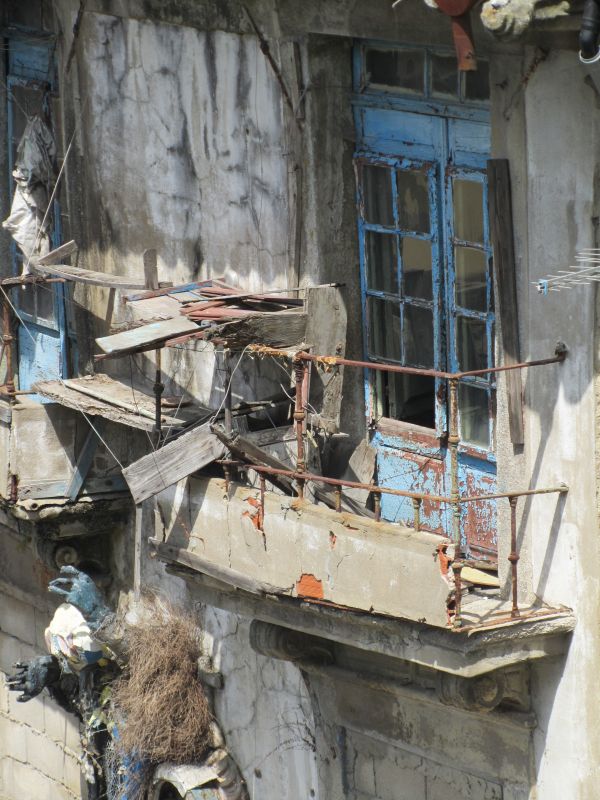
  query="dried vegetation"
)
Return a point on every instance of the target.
[{"x": 165, "y": 712}]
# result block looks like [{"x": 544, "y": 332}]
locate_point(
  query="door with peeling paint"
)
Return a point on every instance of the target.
[
  {"x": 41, "y": 328},
  {"x": 427, "y": 296}
]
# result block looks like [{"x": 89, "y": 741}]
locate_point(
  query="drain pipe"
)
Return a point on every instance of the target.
[{"x": 589, "y": 52}]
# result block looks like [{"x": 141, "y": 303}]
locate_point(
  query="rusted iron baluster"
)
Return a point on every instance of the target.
[
  {"x": 514, "y": 557},
  {"x": 227, "y": 401},
  {"x": 338, "y": 499},
  {"x": 457, "y": 566},
  {"x": 299, "y": 416},
  {"x": 377, "y": 504},
  {"x": 453, "y": 440},
  {"x": 416, "y": 502},
  {"x": 7, "y": 339},
  {"x": 261, "y": 479},
  {"x": 159, "y": 388}
]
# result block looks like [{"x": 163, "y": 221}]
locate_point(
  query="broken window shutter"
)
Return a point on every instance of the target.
[{"x": 502, "y": 236}]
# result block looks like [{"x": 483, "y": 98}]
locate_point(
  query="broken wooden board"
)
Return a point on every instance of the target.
[
  {"x": 169, "y": 464},
  {"x": 100, "y": 395},
  {"x": 194, "y": 562},
  {"x": 56, "y": 255},
  {"x": 88, "y": 276},
  {"x": 274, "y": 329},
  {"x": 146, "y": 335},
  {"x": 326, "y": 335},
  {"x": 361, "y": 468}
]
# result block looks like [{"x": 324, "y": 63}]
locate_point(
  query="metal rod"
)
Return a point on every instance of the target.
[
  {"x": 377, "y": 505},
  {"x": 457, "y": 566},
  {"x": 453, "y": 442},
  {"x": 416, "y": 502},
  {"x": 262, "y": 482},
  {"x": 227, "y": 402},
  {"x": 299, "y": 416},
  {"x": 524, "y": 493},
  {"x": 377, "y": 490},
  {"x": 7, "y": 338},
  {"x": 432, "y": 373},
  {"x": 338, "y": 498},
  {"x": 159, "y": 388},
  {"x": 514, "y": 557}
]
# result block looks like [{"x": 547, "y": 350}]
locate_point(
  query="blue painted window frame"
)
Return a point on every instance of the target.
[
  {"x": 471, "y": 166},
  {"x": 30, "y": 62}
]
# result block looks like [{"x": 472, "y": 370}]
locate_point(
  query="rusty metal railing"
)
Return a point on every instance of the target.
[{"x": 300, "y": 361}]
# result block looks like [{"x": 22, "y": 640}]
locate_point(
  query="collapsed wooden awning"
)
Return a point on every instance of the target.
[{"x": 209, "y": 310}]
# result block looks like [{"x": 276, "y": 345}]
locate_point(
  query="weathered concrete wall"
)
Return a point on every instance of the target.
[
  {"x": 39, "y": 743},
  {"x": 545, "y": 121}
]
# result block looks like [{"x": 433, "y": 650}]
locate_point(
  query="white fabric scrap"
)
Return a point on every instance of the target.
[{"x": 34, "y": 175}]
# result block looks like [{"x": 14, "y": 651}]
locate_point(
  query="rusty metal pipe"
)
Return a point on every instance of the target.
[
  {"x": 299, "y": 417},
  {"x": 7, "y": 339},
  {"x": 416, "y": 502},
  {"x": 514, "y": 557},
  {"x": 524, "y": 493},
  {"x": 374, "y": 365},
  {"x": 453, "y": 442}
]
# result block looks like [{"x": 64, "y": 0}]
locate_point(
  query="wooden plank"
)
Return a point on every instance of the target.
[
  {"x": 80, "y": 275},
  {"x": 152, "y": 334},
  {"x": 108, "y": 392},
  {"x": 84, "y": 462},
  {"x": 326, "y": 335},
  {"x": 70, "y": 398},
  {"x": 38, "y": 490},
  {"x": 502, "y": 236},
  {"x": 57, "y": 254},
  {"x": 169, "y": 464},
  {"x": 194, "y": 562},
  {"x": 275, "y": 329}
]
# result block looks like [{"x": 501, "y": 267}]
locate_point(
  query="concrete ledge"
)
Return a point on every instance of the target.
[{"x": 306, "y": 551}]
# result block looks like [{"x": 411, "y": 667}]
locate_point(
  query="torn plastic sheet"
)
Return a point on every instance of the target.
[{"x": 34, "y": 175}]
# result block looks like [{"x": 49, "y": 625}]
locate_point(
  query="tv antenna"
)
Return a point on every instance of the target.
[{"x": 585, "y": 272}]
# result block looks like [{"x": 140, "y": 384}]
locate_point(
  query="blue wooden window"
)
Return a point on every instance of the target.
[
  {"x": 32, "y": 89},
  {"x": 424, "y": 237},
  {"x": 423, "y": 139}
]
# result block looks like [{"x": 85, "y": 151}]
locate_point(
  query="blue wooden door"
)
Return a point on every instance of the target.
[
  {"x": 426, "y": 284},
  {"x": 41, "y": 329}
]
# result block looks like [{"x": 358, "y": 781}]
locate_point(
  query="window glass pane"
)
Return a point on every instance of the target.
[
  {"x": 416, "y": 268},
  {"x": 25, "y": 298},
  {"x": 413, "y": 200},
  {"x": 468, "y": 210},
  {"x": 45, "y": 301},
  {"x": 384, "y": 328},
  {"x": 444, "y": 75},
  {"x": 418, "y": 336},
  {"x": 27, "y": 102},
  {"x": 399, "y": 69},
  {"x": 410, "y": 398},
  {"x": 477, "y": 82},
  {"x": 474, "y": 415},
  {"x": 471, "y": 344},
  {"x": 377, "y": 195},
  {"x": 382, "y": 264},
  {"x": 471, "y": 278}
]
